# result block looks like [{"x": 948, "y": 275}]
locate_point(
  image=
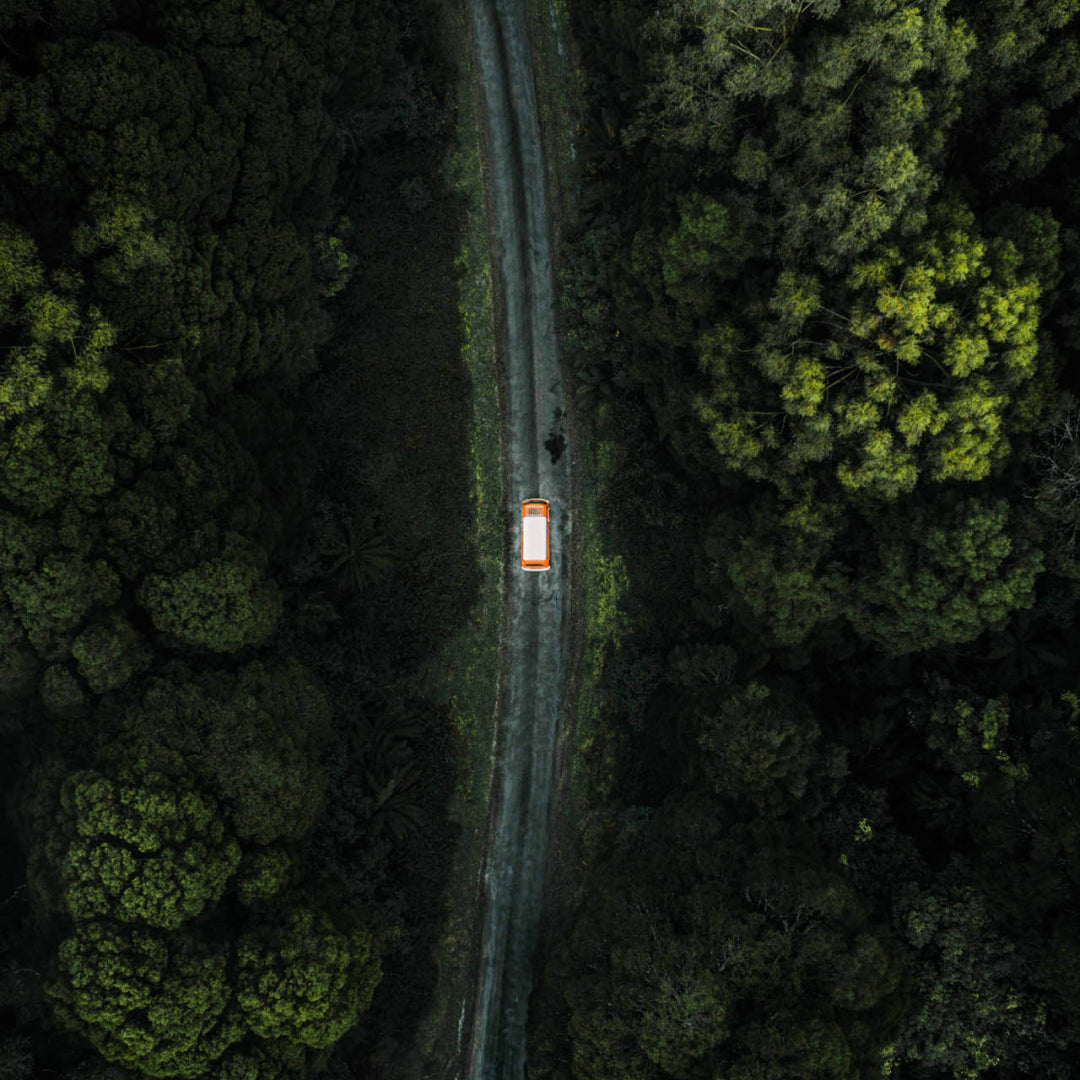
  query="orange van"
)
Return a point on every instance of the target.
[{"x": 535, "y": 535}]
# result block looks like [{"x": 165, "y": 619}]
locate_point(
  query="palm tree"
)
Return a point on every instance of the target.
[
  {"x": 1028, "y": 647},
  {"x": 396, "y": 802},
  {"x": 382, "y": 735},
  {"x": 360, "y": 556}
]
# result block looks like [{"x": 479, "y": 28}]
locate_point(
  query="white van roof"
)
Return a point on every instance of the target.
[{"x": 535, "y": 545}]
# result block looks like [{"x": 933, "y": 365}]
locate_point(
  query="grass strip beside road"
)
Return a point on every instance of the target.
[{"x": 470, "y": 663}]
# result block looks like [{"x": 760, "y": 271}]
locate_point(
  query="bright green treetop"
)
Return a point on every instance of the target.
[
  {"x": 916, "y": 369},
  {"x": 306, "y": 981},
  {"x": 158, "y": 1004},
  {"x": 54, "y": 436},
  {"x": 145, "y": 850}
]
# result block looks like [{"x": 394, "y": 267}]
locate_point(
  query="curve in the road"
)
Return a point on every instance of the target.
[{"x": 535, "y": 681}]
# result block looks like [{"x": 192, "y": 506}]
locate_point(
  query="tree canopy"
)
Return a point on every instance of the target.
[
  {"x": 195, "y": 201},
  {"x": 305, "y": 980},
  {"x": 917, "y": 367},
  {"x": 162, "y": 1006},
  {"x": 819, "y": 297},
  {"x": 144, "y": 851}
]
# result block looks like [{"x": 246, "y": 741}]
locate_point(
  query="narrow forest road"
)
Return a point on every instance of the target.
[{"x": 538, "y": 465}]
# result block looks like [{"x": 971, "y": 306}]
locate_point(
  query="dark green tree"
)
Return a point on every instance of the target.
[
  {"x": 760, "y": 744},
  {"x": 18, "y": 664},
  {"x": 971, "y": 1013},
  {"x": 54, "y": 597},
  {"x": 835, "y": 113},
  {"x": 109, "y": 653},
  {"x": 781, "y": 568},
  {"x": 1057, "y": 486},
  {"x": 705, "y": 947},
  {"x": 264, "y": 873},
  {"x": 61, "y": 693},
  {"x": 222, "y": 604},
  {"x": 263, "y": 1059},
  {"x": 252, "y": 740},
  {"x": 944, "y": 583}
]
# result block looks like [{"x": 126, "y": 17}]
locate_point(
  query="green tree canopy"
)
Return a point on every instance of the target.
[
  {"x": 191, "y": 214},
  {"x": 109, "y": 653},
  {"x": 970, "y": 1011},
  {"x": 694, "y": 951},
  {"x": 221, "y": 604},
  {"x": 760, "y": 744},
  {"x": 159, "y": 1004},
  {"x": 917, "y": 368},
  {"x": 50, "y": 587},
  {"x": 252, "y": 740},
  {"x": 306, "y": 980},
  {"x": 780, "y": 567},
  {"x": 61, "y": 693},
  {"x": 835, "y": 111},
  {"x": 1057, "y": 481},
  {"x": 684, "y": 1006},
  {"x": 918, "y": 575},
  {"x": 944, "y": 583},
  {"x": 54, "y": 433},
  {"x": 263, "y": 874},
  {"x": 263, "y": 1059},
  {"x": 973, "y": 736},
  {"x": 18, "y": 664},
  {"x": 144, "y": 849}
]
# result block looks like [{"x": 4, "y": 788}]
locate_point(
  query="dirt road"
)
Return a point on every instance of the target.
[{"x": 538, "y": 465}]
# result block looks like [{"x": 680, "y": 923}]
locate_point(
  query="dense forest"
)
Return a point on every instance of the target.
[
  {"x": 822, "y": 295},
  {"x": 224, "y": 840}
]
